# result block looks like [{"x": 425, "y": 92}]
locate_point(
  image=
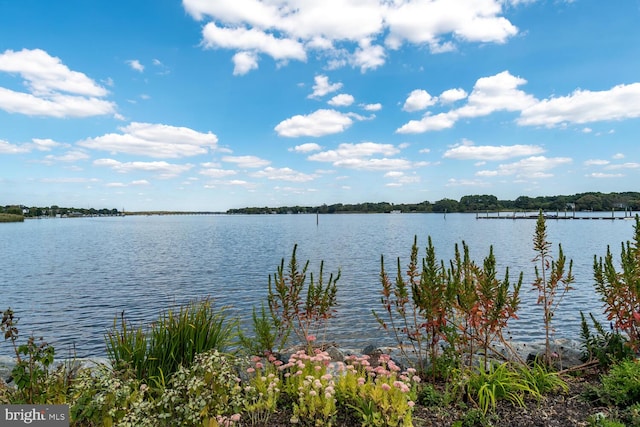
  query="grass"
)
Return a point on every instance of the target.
[{"x": 11, "y": 218}]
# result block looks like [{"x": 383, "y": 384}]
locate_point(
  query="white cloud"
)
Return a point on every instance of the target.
[
  {"x": 596, "y": 162},
  {"x": 35, "y": 144},
  {"x": 246, "y": 161},
  {"x": 318, "y": 123},
  {"x": 618, "y": 156},
  {"x": 341, "y": 100},
  {"x": 584, "y": 106},
  {"x": 136, "y": 65},
  {"x": 361, "y": 156},
  {"x": 417, "y": 100},
  {"x": 54, "y": 89},
  {"x": 468, "y": 151},
  {"x": 162, "y": 169},
  {"x": 490, "y": 94},
  {"x": 217, "y": 173},
  {"x": 244, "y": 62},
  {"x": 531, "y": 167},
  {"x": 344, "y": 30},
  {"x": 253, "y": 40},
  {"x": 368, "y": 56},
  {"x": 600, "y": 175},
  {"x": 283, "y": 174},
  {"x": 372, "y": 107},
  {"x": 323, "y": 87},
  {"x": 154, "y": 140},
  {"x": 452, "y": 95},
  {"x": 306, "y": 148}
]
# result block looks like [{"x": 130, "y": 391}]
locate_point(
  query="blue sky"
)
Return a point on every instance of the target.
[{"x": 219, "y": 104}]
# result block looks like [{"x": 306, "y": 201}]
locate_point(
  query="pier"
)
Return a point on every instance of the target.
[{"x": 620, "y": 215}]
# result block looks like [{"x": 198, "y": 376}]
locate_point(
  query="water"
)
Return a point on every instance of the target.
[{"x": 67, "y": 279}]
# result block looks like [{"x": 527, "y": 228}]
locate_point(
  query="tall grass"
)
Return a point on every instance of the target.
[
  {"x": 173, "y": 340},
  {"x": 4, "y": 217}
]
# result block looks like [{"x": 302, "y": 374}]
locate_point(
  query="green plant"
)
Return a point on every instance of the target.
[
  {"x": 418, "y": 308},
  {"x": 262, "y": 391},
  {"x": 601, "y": 420},
  {"x": 550, "y": 279},
  {"x": 607, "y": 347},
  {"x": 265, "y": 338},
  {"x": 484, "y": 304},
  {"x": 499, "y": 382},
  {"x": 541, "y": 379},
  {"x": 36, "y": 379},
  {"x": 621, "y": 385},
  {"x": 173, "y": 340},
  {"x": 620, "y": 291},
  {"x": 288, "y": 308}
]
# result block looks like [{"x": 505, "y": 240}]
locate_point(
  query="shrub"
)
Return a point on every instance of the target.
[
  {"x": 621, "y": 386},
  {"x": 620, "y": 291},
  {"x": 551, "y": 281},
  {"x": 607, "y": 347},
  {"x": 499, "y": 382},
  {"x": 290, "y": 311},
  {"x": 173, "y": 340}
]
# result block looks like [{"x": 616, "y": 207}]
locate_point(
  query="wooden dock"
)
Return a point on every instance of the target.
[{"x": 557, "y": 215}]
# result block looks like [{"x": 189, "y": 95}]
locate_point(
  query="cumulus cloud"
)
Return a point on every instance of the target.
[
  {"x": 135, "y": 65},
  {"x": 346, "y": 31},
  {"x": 161, "y": 169},
  {"x": 469, "y": 151},
  {"x": 283, "y": 174},
  {"x": 244, "y": 62},
  {"x": 306, "y": 148},
  {"x": 319, "y": 123},
  {"x": 501, "y": 92},
  {"x": 36, "y": 144},
  {"x": 322, "y": 86},
  {"x": 154, "y": 140},
  {"x": 365, "y": 156},
  {"x": 417, "y": 100},
  {"x": 584, "y": 106},
  {"x": 246, "y": 161},
  {"x": 217, "y": 173},
  {"x": 529, "y": 168},
  {"x": 372, "y": 107},
  {"x": 53, "y": 89},
  {"x": 341, "y": 100}
]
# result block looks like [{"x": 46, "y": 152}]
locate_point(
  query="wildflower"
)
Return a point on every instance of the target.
[
  {"x": 311, "y": 338},
  {"x": 411, "y": 403},
  {"x": 386, "y": 387},
  {"x": 250, "y": 370}
]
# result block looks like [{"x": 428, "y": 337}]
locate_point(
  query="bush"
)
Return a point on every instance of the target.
[
  {"x": 173, "y": 340},
  {"x": 621, "y": 386}
]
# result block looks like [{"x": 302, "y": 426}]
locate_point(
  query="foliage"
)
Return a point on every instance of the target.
[
  {"x": 485, "y": 304},
  {"x": 288, "y": 308},
  {"x": 499, "y": 382},
  {"x": 36, "y": 378},
  {"x": 265, "y": 338},
  {"x": 601, "y": 420},
  {"x": 11, "y": 217},
  {"x": 418, "y": 308},
  {"x": 173, "y": 340},
  {"x": 263, "y": 389},
  {"x": 552, "y": 282},
  {"x": 620, "y": 291},
  {"x": 542, "y": 380},
  {"x": 621, "y": 385},
  {"x": 607, "y": 347},
  {"x": 208, "y": 392}
]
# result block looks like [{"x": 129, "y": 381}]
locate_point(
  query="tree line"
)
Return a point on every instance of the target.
[
  {"x": 54, "y": 210},
  {"x": 592, "y": 201}
]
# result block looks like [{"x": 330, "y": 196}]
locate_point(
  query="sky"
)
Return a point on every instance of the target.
[{"x": 209, "y": 105}]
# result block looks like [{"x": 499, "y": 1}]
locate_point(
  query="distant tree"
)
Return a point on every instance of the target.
[
  {"x": 445, "y": 205},
  {"x": 14, "y": 210}
]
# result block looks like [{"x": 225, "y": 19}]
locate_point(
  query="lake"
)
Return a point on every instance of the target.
[{"x": 67, "y": 279}]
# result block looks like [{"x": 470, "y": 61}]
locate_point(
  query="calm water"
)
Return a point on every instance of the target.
[{"x": 68, "y": 278}]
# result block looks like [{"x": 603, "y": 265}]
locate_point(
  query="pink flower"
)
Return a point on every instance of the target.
[
  {"x": 411, "y": 403},
  {"x": 311, "y": 338},
  {"x": 235, "y": 418},
  {"x": 250, "y": 370},
  {"x": 386, "y": 387}
]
